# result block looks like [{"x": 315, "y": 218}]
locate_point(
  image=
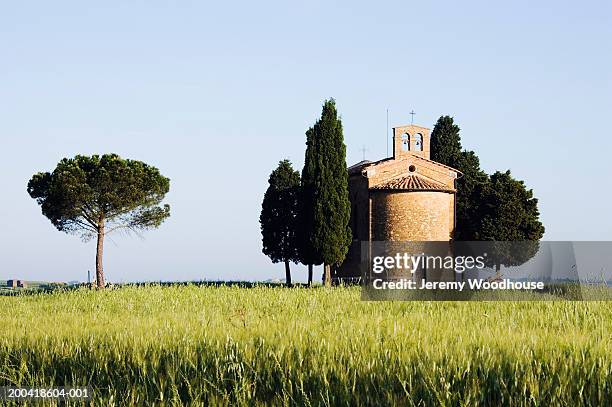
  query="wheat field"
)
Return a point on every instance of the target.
[{"x": 230, "y": 345}]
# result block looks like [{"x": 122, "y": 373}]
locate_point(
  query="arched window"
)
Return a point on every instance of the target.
[
  {"x": 418, "y": 142},
  {"x": 405, "y": 142}
]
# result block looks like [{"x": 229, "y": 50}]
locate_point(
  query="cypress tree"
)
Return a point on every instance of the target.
[
  {"x": 446, "y": 149},
  {"x": 307, "y": 252},
  {"x": 469, "y": 191},
  {"x": 445, "y": 142},
  {"x": 325, "y": 201},
  {"x": 278, "y": 219},
  {"x": 497, "y": 208}
]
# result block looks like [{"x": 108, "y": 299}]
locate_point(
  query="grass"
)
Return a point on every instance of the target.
[{"x": 194, "y": 345}]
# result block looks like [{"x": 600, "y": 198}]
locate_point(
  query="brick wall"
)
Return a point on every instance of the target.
[
  {"x": 395, "y": 168},
  {"x": 396, "y": 215},
  {"x": 412, "y": 131},
  {"x": 417, "y": 215}
]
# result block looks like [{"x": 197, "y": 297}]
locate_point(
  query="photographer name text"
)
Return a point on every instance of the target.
[{"x": 473, "y": 284}]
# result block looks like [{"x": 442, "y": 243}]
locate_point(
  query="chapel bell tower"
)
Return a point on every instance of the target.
[{"x": 410, "y": 139}]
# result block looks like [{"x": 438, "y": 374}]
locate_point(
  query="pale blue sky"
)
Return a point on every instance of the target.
[{"x": 215, "y": 94}]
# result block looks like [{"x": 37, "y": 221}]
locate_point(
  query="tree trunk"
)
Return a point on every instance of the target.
[
  {"x": 99, "y": 250},
  {"x": 327, "y": 275},
  {"x": 498, "y": 275},
  {"x": 287, "y": 274},
  {"x": 310, "y": 275}
]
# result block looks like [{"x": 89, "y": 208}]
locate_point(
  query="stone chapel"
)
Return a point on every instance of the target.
[{"x": 406, "y": 197}]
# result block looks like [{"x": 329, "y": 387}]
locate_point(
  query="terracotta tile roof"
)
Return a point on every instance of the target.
[{"x": 413, "y": 182}]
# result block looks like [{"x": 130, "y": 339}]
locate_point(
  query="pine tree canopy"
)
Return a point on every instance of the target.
[
  {"x": 97, "y": 195},
  {"x": 509, "y": 210},
  {"x": 510, "y": 217},
  {"x": 84, "y": 191}
]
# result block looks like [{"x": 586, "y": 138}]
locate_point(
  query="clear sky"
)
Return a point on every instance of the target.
[{"x": 216, "y": 93}]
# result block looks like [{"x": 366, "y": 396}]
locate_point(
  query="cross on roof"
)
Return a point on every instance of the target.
[
  {"x": 363, "y": 150},
  {"x": 412, "y": 113}
]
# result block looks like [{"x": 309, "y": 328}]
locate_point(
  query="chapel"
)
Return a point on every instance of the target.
[{"x": 406, "y": 197}]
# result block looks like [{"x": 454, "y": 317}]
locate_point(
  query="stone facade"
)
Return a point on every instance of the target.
[
  {"x": 406, "y": 141},
  {"x": 407, "y": 197},
  {"x": 405, "y": 216}
]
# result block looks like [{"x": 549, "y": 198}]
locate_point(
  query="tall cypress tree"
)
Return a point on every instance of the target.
[
  {"x": 278, "y": 219},
  {"x": 325, "y": 202},
  {"x": 307, "y": 252},
  {"x": 446, "y": 149},
  {"x": 446, "y": 142}
]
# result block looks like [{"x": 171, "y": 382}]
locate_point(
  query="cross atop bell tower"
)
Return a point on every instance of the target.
[{"x": 411, "y": 139}]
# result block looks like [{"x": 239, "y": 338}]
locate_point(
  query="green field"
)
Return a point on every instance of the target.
[{"x": 259, "y": 346}]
